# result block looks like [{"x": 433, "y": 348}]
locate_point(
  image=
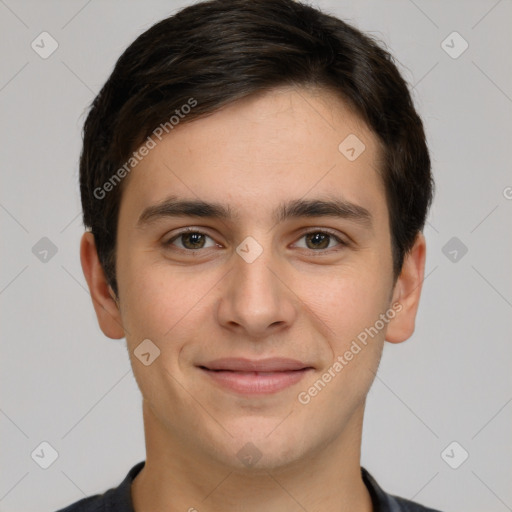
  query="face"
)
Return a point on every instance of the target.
[{"x": 268, "y": 294}]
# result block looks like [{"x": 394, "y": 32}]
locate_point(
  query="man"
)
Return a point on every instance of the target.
[{"x": 255, "y": 180}]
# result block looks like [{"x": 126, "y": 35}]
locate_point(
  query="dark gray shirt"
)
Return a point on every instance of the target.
[{"x": 119, "y": 498}]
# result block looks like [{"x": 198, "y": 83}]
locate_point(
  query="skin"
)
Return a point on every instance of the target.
[{"x": 295, "y": 300}]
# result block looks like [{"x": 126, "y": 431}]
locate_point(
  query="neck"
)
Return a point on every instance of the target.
[{"x": 174, "y": 478}]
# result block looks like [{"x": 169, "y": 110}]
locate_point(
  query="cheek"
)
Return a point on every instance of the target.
[
  {"x": 349, "y": 308},
  {"x": 346, "y": 302},
  {"x": 161, "y": 302}
]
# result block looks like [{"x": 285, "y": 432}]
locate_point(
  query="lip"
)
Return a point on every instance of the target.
[{"x": 256, "y": 377}]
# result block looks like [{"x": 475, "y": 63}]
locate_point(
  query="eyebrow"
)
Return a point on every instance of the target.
[{"x": 174, "y": 207}]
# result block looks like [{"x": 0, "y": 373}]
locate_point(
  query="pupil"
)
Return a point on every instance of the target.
[
  {"x": 193, "y": 239},
  {"x": 320, "y": 240}
]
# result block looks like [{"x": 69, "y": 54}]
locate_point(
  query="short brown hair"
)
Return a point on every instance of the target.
[{"x": 219, "y": 51}]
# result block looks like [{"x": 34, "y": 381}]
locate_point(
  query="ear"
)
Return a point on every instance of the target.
[
  {"x": 103, "y": 297},
  {"x": 406, "y": 293}
]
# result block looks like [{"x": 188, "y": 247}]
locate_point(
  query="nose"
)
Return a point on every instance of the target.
[{"x": 255, "y": 300}]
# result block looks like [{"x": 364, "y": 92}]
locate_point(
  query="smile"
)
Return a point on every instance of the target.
[{"x": 256, "y": 377}]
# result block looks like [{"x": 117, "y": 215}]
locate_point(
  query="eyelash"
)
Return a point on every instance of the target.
[{"x": 341, "y": 242}]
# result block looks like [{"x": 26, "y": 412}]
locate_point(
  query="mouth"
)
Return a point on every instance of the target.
[{"x": 256, "y": 377}]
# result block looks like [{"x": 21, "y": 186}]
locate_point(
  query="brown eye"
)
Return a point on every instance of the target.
[
  {"x": 191, "y": 240},
  {"x": 319, "y": 240}
]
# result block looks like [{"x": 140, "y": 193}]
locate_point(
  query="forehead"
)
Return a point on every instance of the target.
[{"x": 283, "y": 144}]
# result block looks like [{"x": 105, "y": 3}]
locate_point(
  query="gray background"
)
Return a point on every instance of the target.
[{"x": 63, "y": 382}]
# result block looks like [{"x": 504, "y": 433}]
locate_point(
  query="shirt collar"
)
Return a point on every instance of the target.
[{"x": 121, "y": 499}]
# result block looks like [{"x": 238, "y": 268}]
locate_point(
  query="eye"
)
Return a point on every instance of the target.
[
  {"x": 191, "y": 240},
  {"x": 318, "y": 240}
]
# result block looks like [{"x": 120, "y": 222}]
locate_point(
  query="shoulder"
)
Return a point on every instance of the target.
[
  {"x": 384, "y": 502},
  {"x": 404, "y": 505},
  {"x": 117, "y": 499},
  {"x": 95, "y": 503}
]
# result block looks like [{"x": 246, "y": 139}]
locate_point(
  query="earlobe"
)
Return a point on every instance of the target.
[
  {"x": 407, "y": 292},
  {"x": 104, "y": 300}
]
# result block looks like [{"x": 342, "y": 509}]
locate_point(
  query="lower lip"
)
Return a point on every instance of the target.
[{"x": 256, "y": 383}]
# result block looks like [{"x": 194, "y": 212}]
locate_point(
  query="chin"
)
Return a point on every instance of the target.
[{"x": 261, "y": 444}]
